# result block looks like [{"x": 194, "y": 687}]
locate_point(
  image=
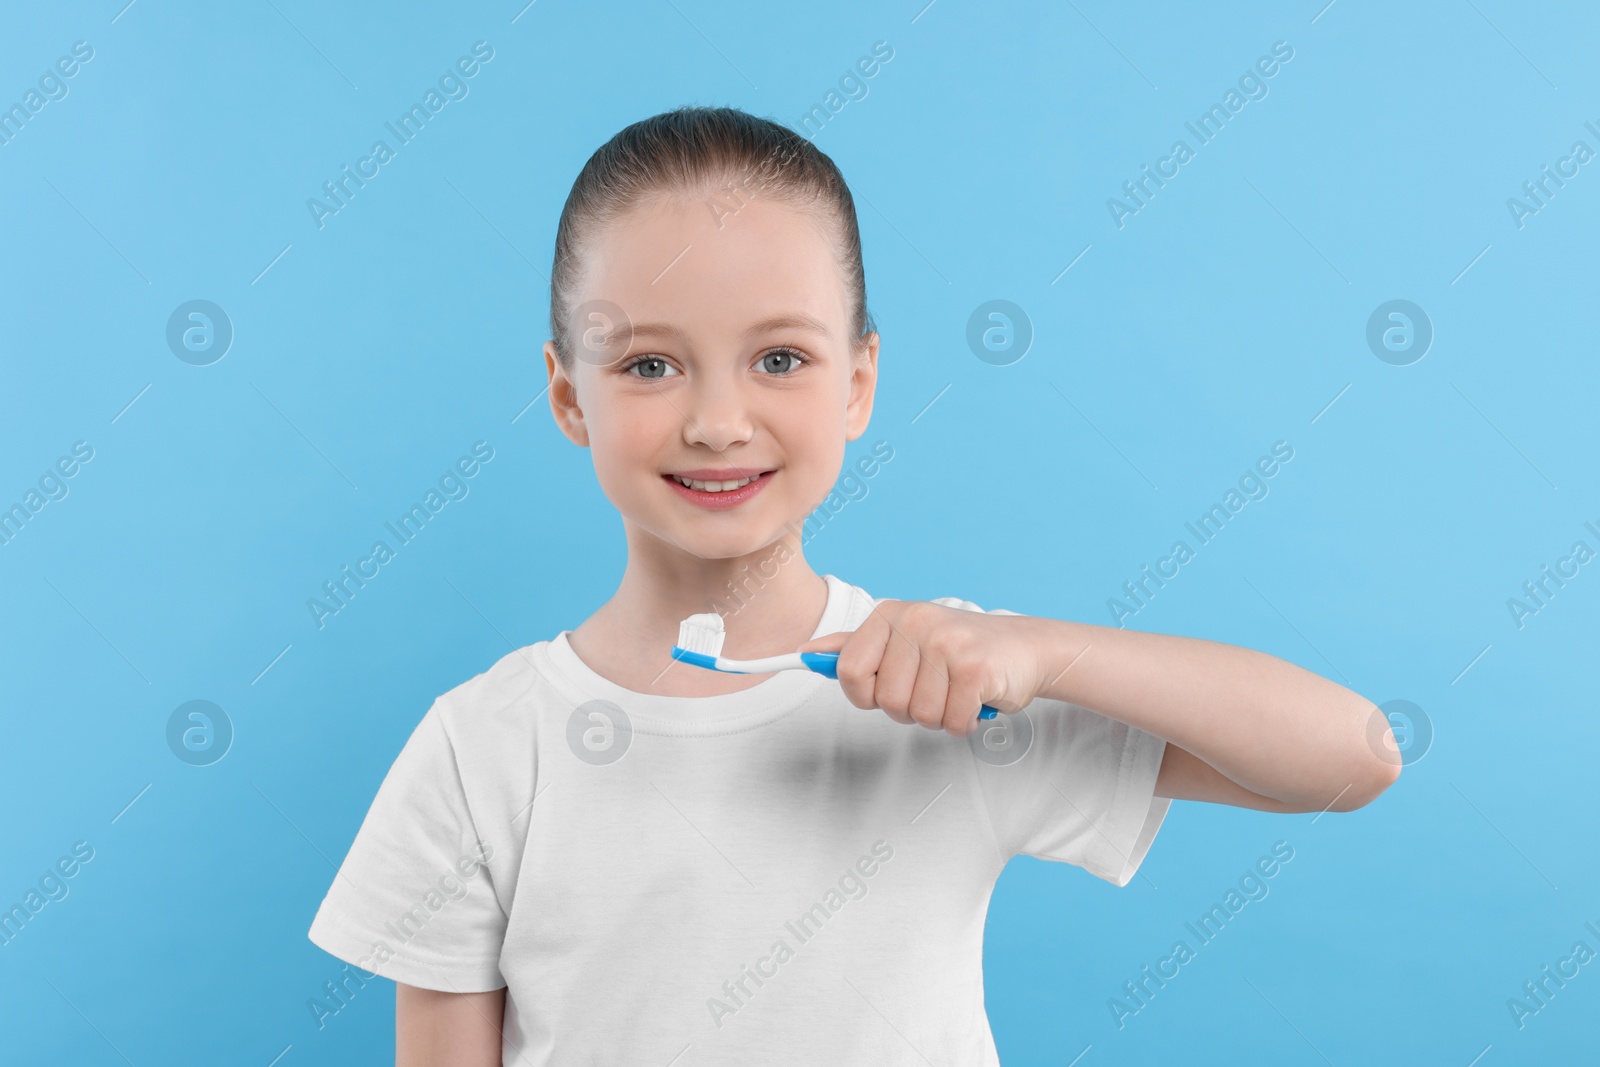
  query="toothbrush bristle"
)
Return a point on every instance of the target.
[{"x": 701, "y": 633}]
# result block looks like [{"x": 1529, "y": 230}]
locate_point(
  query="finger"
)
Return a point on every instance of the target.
[
  {"x": 859, "y": 658},
  {"x": 928, "y": 697},
  {"x": 897, "y": 678},
  {"x": 963, "y": 702},
  {"x": 830, "y": 642},
  {"x": 827, "y": 643}
]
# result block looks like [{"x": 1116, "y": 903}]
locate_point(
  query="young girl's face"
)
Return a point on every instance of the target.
[{"x": 738, "y": 362}]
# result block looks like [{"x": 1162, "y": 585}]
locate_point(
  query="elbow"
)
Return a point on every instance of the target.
[
  {"x": 1381, "y": 774},
  {"x": 1374, "y": 767}
]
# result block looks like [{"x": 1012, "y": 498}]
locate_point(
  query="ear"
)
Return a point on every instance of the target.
[
  {"x": 863, "y": 386},
  {"x": 564, "y": 399}
]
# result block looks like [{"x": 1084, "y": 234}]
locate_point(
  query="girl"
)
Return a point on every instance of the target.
[{"x": 593, "y": 853}]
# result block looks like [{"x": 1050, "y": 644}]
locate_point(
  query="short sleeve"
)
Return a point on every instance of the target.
[
  {"x": 1081, "y": 792},
  {"x": 413, "y": 900},
  {"x": 1063, "y": 783}
]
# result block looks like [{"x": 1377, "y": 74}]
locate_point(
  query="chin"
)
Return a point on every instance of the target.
[
  {"x": 747, "y": 538},
  {"x": 735, "y": 547}
]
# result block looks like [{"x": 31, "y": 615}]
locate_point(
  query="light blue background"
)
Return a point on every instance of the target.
[{"x": 1228, "y": 314}]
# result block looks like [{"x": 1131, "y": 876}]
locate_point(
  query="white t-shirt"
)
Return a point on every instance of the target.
[{"x": 770, "y": 876}]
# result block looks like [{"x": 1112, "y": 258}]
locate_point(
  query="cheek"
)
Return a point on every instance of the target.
[
  {"x": 821, "y": 434},
  {"x": 629, "y": 435},
  {"x": 814, "y": 440}
]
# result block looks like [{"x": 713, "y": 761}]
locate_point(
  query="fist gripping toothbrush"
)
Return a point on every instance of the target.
[{"x": 700, "y": 645}]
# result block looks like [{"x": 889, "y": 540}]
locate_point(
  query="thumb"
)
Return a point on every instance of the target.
[{"x": 827, "y": 643}]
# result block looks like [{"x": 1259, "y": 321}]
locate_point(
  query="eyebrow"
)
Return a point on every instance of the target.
[{"x": 791, "y": 321}]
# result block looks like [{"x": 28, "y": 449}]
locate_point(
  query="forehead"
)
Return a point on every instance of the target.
[{"x": 713, "y": 273}]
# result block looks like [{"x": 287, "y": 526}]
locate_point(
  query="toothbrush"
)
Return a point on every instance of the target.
[{"x": 700, "y": 645}]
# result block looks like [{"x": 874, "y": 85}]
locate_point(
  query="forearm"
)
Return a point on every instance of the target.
[{"x": 1273, "y": 727}]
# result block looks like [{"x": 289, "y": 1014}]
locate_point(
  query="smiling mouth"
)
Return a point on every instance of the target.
[
  {"x": 713, "y": 487},
  {"x": 720, "y": 494}
]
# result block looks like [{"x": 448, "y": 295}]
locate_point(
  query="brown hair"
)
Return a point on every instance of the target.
[{"x": 722, "y": 154}]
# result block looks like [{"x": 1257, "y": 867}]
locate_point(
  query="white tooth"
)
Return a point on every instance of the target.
[{"x": 714, "y": 487}]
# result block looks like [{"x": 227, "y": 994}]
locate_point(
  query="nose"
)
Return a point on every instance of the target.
[{"x": 718, "y": 412}]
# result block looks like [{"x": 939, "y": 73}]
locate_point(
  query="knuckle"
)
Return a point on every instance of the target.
[
  {"x": 926, "y": 712},
  {"x": 893, "y": 698}
]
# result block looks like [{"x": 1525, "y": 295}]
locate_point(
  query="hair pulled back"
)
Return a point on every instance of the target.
[{"x": 721, "y": 154}]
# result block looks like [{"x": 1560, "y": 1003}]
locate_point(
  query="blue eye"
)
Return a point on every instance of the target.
[
  {"x": 780, "y": 354},
  {"x": 779, "y": 362},
  {"x": 656, "y": 363}
]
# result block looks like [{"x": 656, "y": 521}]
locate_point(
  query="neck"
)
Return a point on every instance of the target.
[{"x": 770, "y": 601}]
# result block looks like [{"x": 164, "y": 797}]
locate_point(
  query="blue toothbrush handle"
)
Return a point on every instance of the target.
[{"x": 827, "y": 665}]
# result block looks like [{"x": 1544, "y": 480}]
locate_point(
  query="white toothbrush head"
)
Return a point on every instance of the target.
[{"x": 702, "y": 633}]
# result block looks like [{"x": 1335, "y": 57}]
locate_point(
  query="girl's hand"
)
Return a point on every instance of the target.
[{"x": 926, "y": 663}]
